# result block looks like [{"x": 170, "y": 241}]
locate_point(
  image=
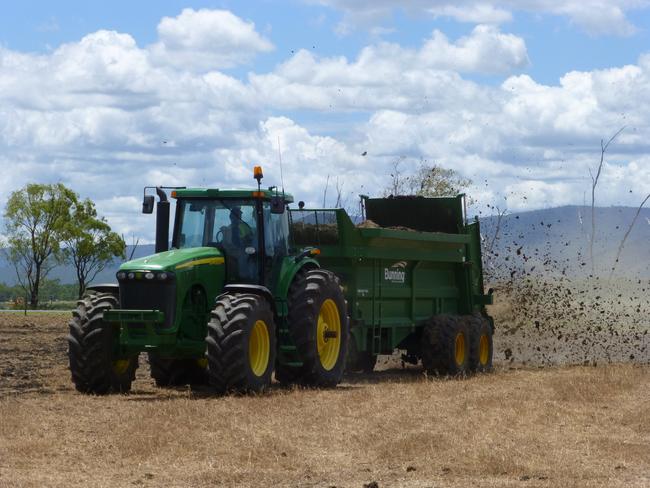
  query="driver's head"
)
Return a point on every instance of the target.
[{"x": 235, "y": 213}]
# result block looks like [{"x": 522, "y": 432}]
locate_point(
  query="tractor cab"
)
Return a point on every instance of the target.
[{"x": 250, "y": 229}]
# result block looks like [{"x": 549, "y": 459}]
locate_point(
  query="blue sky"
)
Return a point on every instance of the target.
[
  {"x": 515, "y": 93},
  {"x": 555, "y": 44}
]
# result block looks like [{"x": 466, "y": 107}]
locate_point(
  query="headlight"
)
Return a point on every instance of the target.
[
  {"x": 121, "y": 275},
  {"x": 131, "y": 275},
  {"x": 149, "y": 276},
  {"x": 162, "y": 276}
]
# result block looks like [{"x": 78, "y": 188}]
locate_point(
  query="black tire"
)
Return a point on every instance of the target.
[
  {"x": 359, "y": 361},
  {"x": 233, "y": 327},
  {"x": 481, "y": 349},
  {"x": 313, "y": 295},
  {"x": 94, "y": 364},
  {"x": 177, "y": 371},
  {"x": 445, "y": 346}
]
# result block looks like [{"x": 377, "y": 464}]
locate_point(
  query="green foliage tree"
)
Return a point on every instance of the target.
[
  {"x": 90, "y": 243},
  {"x": 37, "y": 220},
  {"x": 55, "y": 290},
  {"x": 428, "y": 180}
]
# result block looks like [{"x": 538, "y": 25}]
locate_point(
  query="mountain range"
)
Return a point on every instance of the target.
[{"x": 547, "y": 240}]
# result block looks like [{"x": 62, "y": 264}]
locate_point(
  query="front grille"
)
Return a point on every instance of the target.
[{"x": 149, "y": 295}]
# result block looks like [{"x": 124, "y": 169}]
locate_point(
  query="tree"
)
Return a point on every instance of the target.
[
  {"x": 428, "y": 180},
  {"x": 594, "y": 183},
  {"x": 90, "y": 243},
  {"x": 37, "y": 221}
]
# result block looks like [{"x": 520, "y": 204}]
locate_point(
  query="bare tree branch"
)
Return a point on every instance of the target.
[
  {"x": 627, "y": 233},
  {"x": 594, "y": 183},
  {"x": 327, "y": 183}
]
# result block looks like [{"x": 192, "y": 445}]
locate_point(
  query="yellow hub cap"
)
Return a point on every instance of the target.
[
  {"x": 483, "y": 350},
  {"x": 259, "y": 348},
  {"x": 328, "y": 334},
  {"x": 460, "y": 349},
  {"x": 121, "y": 366}
]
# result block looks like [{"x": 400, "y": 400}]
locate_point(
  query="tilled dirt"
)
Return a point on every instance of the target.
[{"x": 31, "y": 347}]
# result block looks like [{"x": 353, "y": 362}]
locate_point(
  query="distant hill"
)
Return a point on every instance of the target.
[
  {"x": 558, "y": 239},
  {"x": 67, "y": 273},
  {"x": 555, "y": 239}
]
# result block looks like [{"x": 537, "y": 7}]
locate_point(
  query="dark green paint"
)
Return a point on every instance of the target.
[{"x": 393, "y": 279}]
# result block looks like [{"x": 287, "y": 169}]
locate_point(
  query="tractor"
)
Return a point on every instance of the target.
[{"x": 231, "y": 301}]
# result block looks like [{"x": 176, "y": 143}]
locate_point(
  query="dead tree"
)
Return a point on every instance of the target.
[
  {"x": 594, "y": 183},
  {"x": 327, "y": 184},
  {"x": 627, "y": 233}
]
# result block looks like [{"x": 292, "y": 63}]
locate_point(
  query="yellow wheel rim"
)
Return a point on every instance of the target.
[
  {"x": 259, "y": 348},
  {"x": 460, "y": 348},
  {"x": 484, "y": 350},
  {"x": 328, "y": 334},
  {"x": 202, "y": 363},
  {"x": 121, "y": 366}
]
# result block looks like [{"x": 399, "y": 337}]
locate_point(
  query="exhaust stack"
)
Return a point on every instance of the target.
[{"x": 162, "y": 221}]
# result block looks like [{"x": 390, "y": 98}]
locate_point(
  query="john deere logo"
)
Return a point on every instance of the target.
[{"x": 396, "y": 273}]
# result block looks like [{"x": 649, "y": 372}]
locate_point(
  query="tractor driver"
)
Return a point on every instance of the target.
[
  {"x": 238, "y": 239},
  {"x": 238, "y": 234}
]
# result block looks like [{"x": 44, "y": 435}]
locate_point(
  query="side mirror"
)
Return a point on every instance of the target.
[
  {"x": 147, "y": 204},
  {"x": 277, "y": 205}
]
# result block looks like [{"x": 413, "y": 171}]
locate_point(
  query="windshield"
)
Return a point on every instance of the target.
[
  {"x": 216, "y": 223},
  {"x": 229, "y": 225}
]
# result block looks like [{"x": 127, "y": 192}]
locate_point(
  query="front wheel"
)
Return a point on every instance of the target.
[
  {"x": 95, "y": 364},
  {"x": 241, "y": 343},
  {"x": 319, "y": 327}
]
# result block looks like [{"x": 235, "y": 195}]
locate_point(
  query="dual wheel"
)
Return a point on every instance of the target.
[
  {"x": 242, "y": 337},
  {"x": 241, "y": 342},
  {"x": 457, "y": 345}
]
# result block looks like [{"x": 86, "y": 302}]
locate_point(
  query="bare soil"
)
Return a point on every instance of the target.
[{"x": 520, "y": 426}]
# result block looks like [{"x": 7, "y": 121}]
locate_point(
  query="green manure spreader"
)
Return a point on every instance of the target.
[{"x": 249, "y": 288}]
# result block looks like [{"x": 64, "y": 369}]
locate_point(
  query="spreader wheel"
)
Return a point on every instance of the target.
[
  {"x": 445, "y": 346},
  {"x": 481, "y": 349}
]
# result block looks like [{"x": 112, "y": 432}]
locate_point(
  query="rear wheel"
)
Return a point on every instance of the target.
[
  {"x": 481, "y": 350},
  {"x": 95, "y": 364},
  {"x": 319, "y": 327},
  {"x": 241, "y": 343},
  {"x": 445, "y": 346},
  {"x": 177, "y": 371}
]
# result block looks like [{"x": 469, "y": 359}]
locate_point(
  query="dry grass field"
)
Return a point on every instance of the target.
[{"x": 522, "y": 426}]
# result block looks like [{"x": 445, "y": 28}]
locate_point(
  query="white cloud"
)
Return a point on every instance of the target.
[
  {"x": 106, "y": 117},
  {"x": 598, "y": 17},
  {"x": 204, "y": 40},
  {"x": 387, "y": 75}
]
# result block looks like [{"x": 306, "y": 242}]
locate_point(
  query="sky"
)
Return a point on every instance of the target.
[{"x": 109, "y": 97}]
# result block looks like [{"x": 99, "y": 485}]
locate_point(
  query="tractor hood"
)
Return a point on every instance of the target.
[{"x": 175, "y": 260}]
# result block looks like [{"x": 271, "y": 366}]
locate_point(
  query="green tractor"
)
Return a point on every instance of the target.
[{"x": 230, "y": 302}]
